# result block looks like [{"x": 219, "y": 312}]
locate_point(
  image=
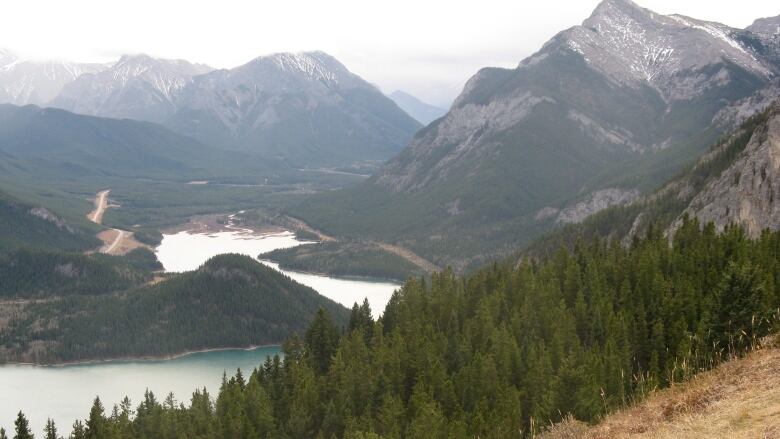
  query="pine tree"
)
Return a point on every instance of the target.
[
  {"x": 96, "y": 424},
  {"x": 322, "y": 341},
  {"x": 22, "y": 427},
  {"x": 50, "y": 430},
  {"x": 78, "y": 431}
]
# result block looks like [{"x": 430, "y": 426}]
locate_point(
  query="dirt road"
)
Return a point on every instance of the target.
[
  {"x": 101, "y": 203},
  {"x": 115, "y": 241}
]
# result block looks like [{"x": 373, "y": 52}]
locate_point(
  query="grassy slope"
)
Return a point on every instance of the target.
[{"x": 738, "y": 399}]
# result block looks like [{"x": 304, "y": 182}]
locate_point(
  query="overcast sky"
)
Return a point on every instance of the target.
[{"x": 428, "y": 48}]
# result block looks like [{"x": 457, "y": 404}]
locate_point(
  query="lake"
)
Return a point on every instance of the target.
[
  {"x": 184, "y": 251},
  {"x": 65, "y": 393}
]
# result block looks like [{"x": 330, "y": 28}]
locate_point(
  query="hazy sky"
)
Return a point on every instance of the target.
[{"x": 426, "y": 47}]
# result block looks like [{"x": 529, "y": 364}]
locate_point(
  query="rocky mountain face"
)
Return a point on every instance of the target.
[
  {"x": 767, "y": 27},
  {"x": 748, "y": 191},
  {"x": 135, "y": 87},
  {"x": 620, "y": 102},
  {"x": 306, "y": 108},
  {"x": 25, "y": 82},
  {"x": 419, "y": 110}
]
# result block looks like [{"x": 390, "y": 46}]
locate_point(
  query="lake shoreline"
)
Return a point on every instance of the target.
[
  {"x": 140, "y": 358},
  {"x": 355, "y": 277}
]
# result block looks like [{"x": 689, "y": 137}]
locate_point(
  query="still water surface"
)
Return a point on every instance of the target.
[
  {"x": 65, "y": 393},
  {"x": 185, "y": 251}
]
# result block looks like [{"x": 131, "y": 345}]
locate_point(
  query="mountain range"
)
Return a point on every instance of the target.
[
  {"x": 30, "y": 82},
  {"x": 305, "y": 109},
  {"x": 602, "y": 112}
]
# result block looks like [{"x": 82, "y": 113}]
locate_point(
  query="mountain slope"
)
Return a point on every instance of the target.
[
  {"x": 734, "y": 182},
  {"x": 745, "y": 192},
  {"x": 419, "y": 110},
  {"x": 617, "y": 104},
  {"x": 306, "y": 108},
  {"x": 52, "y": 144},
  {"x": 738, "y": 399},
  {"x": 23, "y": 226},
  {"x": 135, "y": 87},
  {"x": 25, "y": 82},
  {"x": 231, "y": 301}
]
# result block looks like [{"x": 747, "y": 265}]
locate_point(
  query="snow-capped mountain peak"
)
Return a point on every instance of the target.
[
  {"x": 637, "y": 46},
  {"x": 308, "y": 66},
  {"x": 137, "y": 86}
]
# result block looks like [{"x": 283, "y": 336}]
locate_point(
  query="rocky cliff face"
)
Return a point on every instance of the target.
[{"x": 747, "y": 192}]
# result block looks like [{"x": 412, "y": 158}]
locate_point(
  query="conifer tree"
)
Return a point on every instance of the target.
[{"x": 22, "y": 427}]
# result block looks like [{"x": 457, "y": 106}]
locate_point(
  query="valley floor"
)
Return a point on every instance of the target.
[{"x": 739, "y": 399}]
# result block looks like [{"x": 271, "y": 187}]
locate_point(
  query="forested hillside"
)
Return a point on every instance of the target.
[
  {"x": 24, "y": 225},
  {"x": 345, "y": 259},
  {"x": 231, "y": 300},
  {"x": 500, "y": 353},
  {"x": 40, "y": 274}
]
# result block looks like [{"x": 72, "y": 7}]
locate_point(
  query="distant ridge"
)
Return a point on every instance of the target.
[{"x": 421, "y": 111}]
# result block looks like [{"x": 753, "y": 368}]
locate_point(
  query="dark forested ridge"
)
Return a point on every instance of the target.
[
  {"x": 498, "y": 353},
  {"x": 25, "y": 225},
  {"x": 36, "y": 274},
  {"x": 345, "y": 259},
  {"x": 231, "y": 300}
]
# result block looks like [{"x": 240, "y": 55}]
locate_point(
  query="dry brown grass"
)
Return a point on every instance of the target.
[{"x": 738, "y": 399}]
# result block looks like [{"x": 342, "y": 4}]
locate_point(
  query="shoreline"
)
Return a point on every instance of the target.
[
  {"x": 355, "y": 277},
  {"x": 219, "y": 222},
  {"x": 143, "y": 358}
]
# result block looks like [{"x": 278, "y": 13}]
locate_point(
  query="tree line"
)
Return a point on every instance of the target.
[{"x": 498, "y": 353}]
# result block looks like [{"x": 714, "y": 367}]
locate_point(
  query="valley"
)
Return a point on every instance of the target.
[{"x": 580, "y": 239}]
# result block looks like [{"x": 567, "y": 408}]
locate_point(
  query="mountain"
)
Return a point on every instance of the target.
[
  {"x": 230, "y": 301},
  {"x": 768, "y": 27},
  {"x": 306, "y": 108},
  {"x": 744, "y": 193},
  {"x": 603, "y": 111},
  {"x": 135, "y": 87},
  {"x": 25, "y": 82},
  {"x": 52, "y": 144},
  {"x": 735, "y": 182},
  {"x": 419, "y": 110}
]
